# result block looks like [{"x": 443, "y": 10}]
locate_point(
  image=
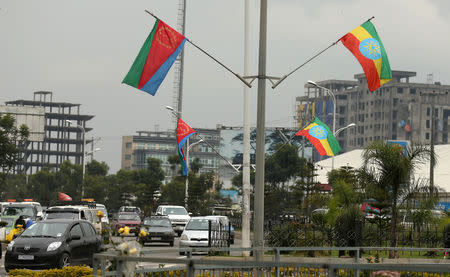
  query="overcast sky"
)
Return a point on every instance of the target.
[{"x": 81, "y": 50}]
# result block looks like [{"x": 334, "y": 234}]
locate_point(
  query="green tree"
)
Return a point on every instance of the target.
[
  {"x": 147, "y": 181},
  {"x": 173, "y": 192},
  {"x": 97, "y": 168},
  {"x": 44, "y": 186},
  {"x": 392, "y": 170},
  {"x": 70, "y": 178},
  {"x": 12, "y": 139}
]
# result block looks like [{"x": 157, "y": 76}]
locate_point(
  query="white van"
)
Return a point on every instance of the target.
[
  {"x": 102, "y": 208},
  {"x": 177, "y": 215},
  {"x": 75, "y": 212}
]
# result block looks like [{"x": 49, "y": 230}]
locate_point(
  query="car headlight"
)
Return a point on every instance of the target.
[
  {"x": 53, "y": 246},
  {"x": 10, "y": 246},
  {"x": 183, "y": 237}
]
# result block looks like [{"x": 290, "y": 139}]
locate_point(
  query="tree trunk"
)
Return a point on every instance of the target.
[{"x": 394, "y": 254}]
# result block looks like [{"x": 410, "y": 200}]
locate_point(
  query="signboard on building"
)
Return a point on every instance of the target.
[
  {"x": 401, "y": 143},
  {"x": 33, "y": 117}
]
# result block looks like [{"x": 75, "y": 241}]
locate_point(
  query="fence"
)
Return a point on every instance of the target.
[
  {"x": 301, "y": 232},
  {"x": 274, "y": 265}
]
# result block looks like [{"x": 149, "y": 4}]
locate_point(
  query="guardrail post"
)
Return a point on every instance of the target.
[
  {"x": 119, "y": 267},
  {"x": 356, "y": 272},
  {"x": 331, "y": 271},
  {"x": 190, "y": 269},
  {"x": 277, "y": 260}
]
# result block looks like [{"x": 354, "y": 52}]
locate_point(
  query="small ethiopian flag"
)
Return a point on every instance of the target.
[{"x": 321, "y": 137}]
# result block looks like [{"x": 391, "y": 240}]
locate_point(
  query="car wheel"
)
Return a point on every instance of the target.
[
  {"x": 64, "y": 260},
  {"x": 171, "y": 243}
]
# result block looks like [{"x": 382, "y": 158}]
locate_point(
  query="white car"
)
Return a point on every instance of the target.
[
  {"x": 196, "y": 232},
  {"x": 177, "y": 215}
]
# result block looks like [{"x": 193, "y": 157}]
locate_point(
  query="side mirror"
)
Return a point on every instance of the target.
[
  {"x": 158, "y": 213},
  {"x": 189, "y": 214}
]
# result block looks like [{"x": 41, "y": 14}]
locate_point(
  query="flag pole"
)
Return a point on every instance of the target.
[
  {"x": 315, "y": 56},
  {"x": 207, "y": 54}
]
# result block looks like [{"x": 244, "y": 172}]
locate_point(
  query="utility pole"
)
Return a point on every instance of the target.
[
  {"x": 260, "y": 136},
  {"x": 246, "y": 141}
]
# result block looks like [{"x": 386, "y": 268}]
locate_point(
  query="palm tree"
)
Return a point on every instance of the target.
[{"x": 391, "y": 169}]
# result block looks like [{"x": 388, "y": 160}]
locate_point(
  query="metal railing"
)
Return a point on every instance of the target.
[{"x": 274, "y": 264}]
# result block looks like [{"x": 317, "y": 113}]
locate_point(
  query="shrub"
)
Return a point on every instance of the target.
[{"x": 70, "y": 271}]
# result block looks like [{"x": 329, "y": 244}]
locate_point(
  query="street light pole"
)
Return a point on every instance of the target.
[
  {"x": 84, "y": 155},
  {"x": 186, "y": 192},
  {"x": 334, "y": 110}
]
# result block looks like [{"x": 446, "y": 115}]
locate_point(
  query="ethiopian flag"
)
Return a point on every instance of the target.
[
  {"x": 157, "y": 55},
  {"x": 368, "y": 49},
  {"x": 184, "y": 131},
  {"x": 321, "y": 137}
]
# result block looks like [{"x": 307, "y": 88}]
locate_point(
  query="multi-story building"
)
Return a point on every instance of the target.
[
  {"x": 58, "y": 135},
  {"x": 399, "y": 110},
  {"x": 160, "y": 145}
]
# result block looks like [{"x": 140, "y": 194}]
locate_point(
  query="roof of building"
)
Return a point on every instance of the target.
[{"x": 354, "y": 159}]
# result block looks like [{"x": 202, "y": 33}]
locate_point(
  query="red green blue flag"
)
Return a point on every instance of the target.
[
  {"x": 184, "y": 131},
  {"x": 321, "y": 137},
  {"x": 366, "y": 46},
  {"x": 155, "y": 58}
]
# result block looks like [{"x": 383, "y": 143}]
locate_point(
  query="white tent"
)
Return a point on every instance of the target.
[{"x": 353, "y": 159}]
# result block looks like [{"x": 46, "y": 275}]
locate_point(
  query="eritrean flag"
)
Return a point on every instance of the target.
[
  {"x": 321, "y": 137},
  {"x": 368, "y": 49},
  {"x": 184, "y": 131},
  {"x": 157, "y": 55}
]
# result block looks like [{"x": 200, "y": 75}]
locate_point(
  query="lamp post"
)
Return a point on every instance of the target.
[
  {"x": 334, "y": 110},
  {"x": 84, "y": 154},
  {"x": 343, "y": 128}
]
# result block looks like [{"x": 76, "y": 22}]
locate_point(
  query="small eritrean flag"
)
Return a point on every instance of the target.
[
  {"x": 368, "y": 49},
  {"x": 321, "y": 137},
  {"x": 155, "y": 58},
  {"x": 184, "y": 131}
]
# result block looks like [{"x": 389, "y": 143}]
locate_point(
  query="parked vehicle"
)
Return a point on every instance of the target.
[
  {"x": 158, "y": 229},
  {"x": 196, "y": 232},
  {"x": 129, "y": 219},
  {"x": 102, "y": 208},
  {"x": 225, "y": 225},
  {"x": 54, "y": 244},
  {"x": 11, "y": 211},
  {"x": 129, "y": 209},
  {"x": 177, "y": 215},
  {"x": 74, "y": 212}
]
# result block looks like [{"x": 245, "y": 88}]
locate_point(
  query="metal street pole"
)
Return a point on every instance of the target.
[
  {"x": 84, "y": 155},
  {"x": 246, "y": 141},
  {"x": 334, "y": 111},
  {"x": 260, "y": 136},
  {"x": 186, "y": 193}
]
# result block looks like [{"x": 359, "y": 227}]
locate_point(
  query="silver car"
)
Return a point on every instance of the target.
[{"x": 196, "y": 232}]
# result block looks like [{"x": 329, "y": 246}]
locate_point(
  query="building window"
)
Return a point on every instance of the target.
[
  {"x": 412, "y": 91},
  {"x": 427, "y": 136},
  {"x": 141, "y": 145},
  {"x": 428, "y": 111},
  {"x": 399, "y": 90},
  {"x": 128, "y": 145},
  {"x": 428, "y": 123},
  {"x": 127, "y": 157}
]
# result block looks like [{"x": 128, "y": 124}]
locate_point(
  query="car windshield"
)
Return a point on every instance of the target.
[
  {"x": 156, "y": 222},
  {"x": 177, "y": 211},
  {"x": 200, "y": 224},
  {"x": 57, "y": 215},
  {"x": 45, "y": 229},
  {"x": 133, "y": 217},
  {"x": 13, "y": 211}
]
